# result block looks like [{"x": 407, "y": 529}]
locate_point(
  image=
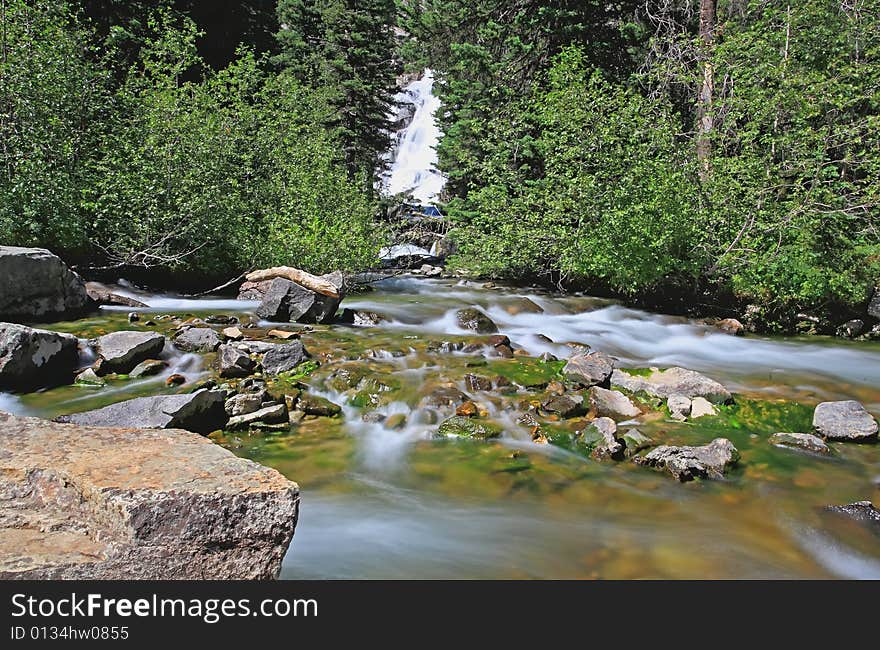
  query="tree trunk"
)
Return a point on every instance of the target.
[
  {"x": 307, "y": 280},
  {"x": 704, "y": 103}
]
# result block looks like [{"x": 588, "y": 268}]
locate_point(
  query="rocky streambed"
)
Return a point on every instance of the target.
[{"x": 439, "y": 428}]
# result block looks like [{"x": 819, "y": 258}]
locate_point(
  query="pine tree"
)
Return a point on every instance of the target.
[{"x": 347, "y": 49}]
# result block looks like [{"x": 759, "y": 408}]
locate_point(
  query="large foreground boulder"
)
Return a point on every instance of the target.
[
  {"x": 32, "y": 358},
  {"x": 36, "y": 285},
  {"x": 847, "y": 420},
  {"x": 202, "y": 412},
  {"x": 687, "y": 463},
  {"x": 673, "y": 381},
  {"x": 96, "y": 503},
  {"x": 120, "y": 352}
]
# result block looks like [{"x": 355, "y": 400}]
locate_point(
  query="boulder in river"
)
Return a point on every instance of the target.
[
  {"x": 805, "y": 441},
  {"x": 197, "y": 339},
  {"x": 687, "y": 463},
  {"x": 284, "y": 357},
  {"x": 475, "y": 320},
  {"x": 33, "y": 358},
  {"x": 679, "y": 406},
  {"x": 245, "y": 403},
  {"x": 202, "y": 412},
  {"x": 120, "y": 352},
  {"x": 148, "y": 368},
  {"x": 612, "y": 404},
  {"x": 288, "y": 302},
  {"x": 602, "y": 440},
  {"x": 663, "y": 383},
  {"x": 98, "y": 503},
  {"x": 589, "y": 369},
  {"x": 464, "y": 427},
  {"x": 731, "y": 326},
  {"x": 233, "y": 362},
  {"x": 845, "y": 420},
  {"x": 36, "y": 285}
]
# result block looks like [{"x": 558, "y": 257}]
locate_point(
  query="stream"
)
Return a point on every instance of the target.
[{"x": 396, "y": 502}]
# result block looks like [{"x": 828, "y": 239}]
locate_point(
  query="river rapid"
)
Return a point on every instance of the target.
[{"x": 395, "y": 501}]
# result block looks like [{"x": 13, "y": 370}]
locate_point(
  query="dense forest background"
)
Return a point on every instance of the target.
[{"x": 710, "y": 154}]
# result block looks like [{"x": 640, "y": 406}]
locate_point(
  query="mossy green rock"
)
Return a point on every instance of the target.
[{"x": 463, "y": 427}]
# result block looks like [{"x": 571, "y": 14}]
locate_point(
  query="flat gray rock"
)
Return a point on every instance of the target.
[
  {"x": 687, "y": 463},
  {"x": 663, "y": 383},
  {"x": 33, "y": 358},
  {"x": 846, "y": 420},
  {"x": 590, "y": 369},
  {"x": 612, "y": 404},
  {"x": 121, "y": 352},
  {"x": 805, "y": 441},
  {"x": 197, "y": 339},
  {"x": 121, "y": 504},
  {"x": 284, "y": 357},
  {"x": 201, "y": 412}
]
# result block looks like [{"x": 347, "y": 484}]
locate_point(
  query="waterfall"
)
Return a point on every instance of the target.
[{"x": 413, "y": 161}]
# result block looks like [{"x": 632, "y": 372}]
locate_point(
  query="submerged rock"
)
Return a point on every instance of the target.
[
  {"x": 361, "y": 318},
  {"x": 197, "y": 339},
  {"x": 846, "y": 420},
  {"x": 36, "y": 285},
  {"x": 232, "y": 362},
  {"x": 475, "y": 320},
  {"x": 33, "y": 358},
  {"x": 805, "y": 441},
  {"x": 663, "y": 383},
  {"x": 148, "y": 368},
  {"x": 201, "y": 412},
  {"x": 284, "y": 357},
  {"x": 316, "y": 405},
  {"x": 612, "y": 404},
  {"x": 120, "y": 352},
  {"x": 464, "y": 427},
  {"x": 444, "y": 396},
  {"x": 286, "y": 301},
  {"x": 688, "y": 463},
  {"x": 590, "y": 369},
  {"x": 113, "y": 504}
]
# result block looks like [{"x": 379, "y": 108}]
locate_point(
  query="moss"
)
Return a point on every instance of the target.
[
  {"x": 527, "y": 371},
  {"x": 463, "y": 427}
]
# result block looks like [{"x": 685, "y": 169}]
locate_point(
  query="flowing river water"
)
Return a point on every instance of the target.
[{"x": 390, "y": 500}]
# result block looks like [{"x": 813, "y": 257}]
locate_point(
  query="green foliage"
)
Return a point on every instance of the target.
[
  {"x": 177, "y": 168},
  {"x": 346, "y": 48},
  {"x": 570, "y": 147},
  {"x": 52, "y": 98},
  {"x": 601, "y": 191}
]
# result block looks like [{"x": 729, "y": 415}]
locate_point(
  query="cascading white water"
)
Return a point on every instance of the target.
[{"x": 413, "y": 162}]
